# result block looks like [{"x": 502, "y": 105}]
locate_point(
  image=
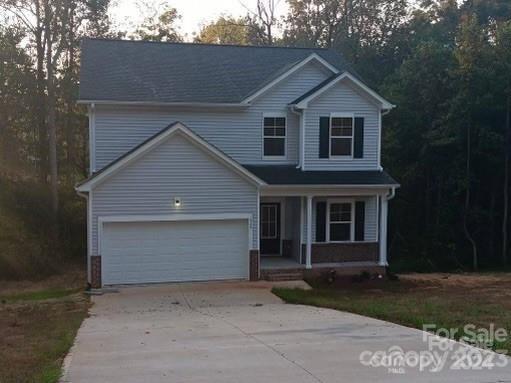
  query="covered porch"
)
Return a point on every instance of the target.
[
  {"x": 308, "y": 229},
  {"x": 317, "y": 220},
  {"x": 334, "y": 230}
]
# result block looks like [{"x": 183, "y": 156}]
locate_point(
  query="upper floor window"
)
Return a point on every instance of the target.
[
  {"x": 274, "y": 137},
  {"x": 341, "y": 136}
]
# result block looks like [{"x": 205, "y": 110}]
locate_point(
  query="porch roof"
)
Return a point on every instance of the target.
[{"x": 290, "y": 175}]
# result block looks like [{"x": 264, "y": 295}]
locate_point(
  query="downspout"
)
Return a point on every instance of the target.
[
  {"x": 299, "y": 113},
  {"x": 92, "y": 138},
  {"x": 383, "y": 226}
]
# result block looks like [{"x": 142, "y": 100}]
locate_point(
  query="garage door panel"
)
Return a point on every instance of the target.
[{"x": 140, "y": 252}]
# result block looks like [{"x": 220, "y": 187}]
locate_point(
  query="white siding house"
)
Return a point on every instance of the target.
[{"x": 263, "y": 160}]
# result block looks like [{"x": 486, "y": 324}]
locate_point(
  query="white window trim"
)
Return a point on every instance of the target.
[
  {"x": 341, "y": 115},
  {"x": 282, "y": 202},
  {"x": 352, "y": 223},
  {"x": 272, "y": 205},
  {"x": 274, "y": 115}
]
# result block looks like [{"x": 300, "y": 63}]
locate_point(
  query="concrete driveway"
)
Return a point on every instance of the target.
[{"x": 239, "y": 332}]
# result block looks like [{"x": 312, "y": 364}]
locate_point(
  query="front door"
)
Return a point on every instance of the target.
[{"x": 270, "y": 228}]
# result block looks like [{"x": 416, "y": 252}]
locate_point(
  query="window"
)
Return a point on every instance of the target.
[
  {"x": 269, "y": 221},
  {"x": 274, "y": 137},
  {"x": 341, "y": 136},
  {"x": 340, "y": 222}
]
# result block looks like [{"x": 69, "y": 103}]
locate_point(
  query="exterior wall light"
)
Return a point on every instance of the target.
[{"x": 177, "y": 201}]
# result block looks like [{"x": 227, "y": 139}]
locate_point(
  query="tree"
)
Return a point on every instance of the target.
[
  {"x": 417, "y": 142},
  {"x": 17, "y": 100},
  {"x": 261, "y": 23},
  {"x": 470, "y": 53},
  {"x": 52, "y": 29},
  {"x": 225, "y": 30},
  {"x": 364, "y": 31},
  {"x": 160, "y": 27},
  {"x": 503, "y": 70}
]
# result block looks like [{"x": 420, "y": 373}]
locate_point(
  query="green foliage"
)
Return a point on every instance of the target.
[
  {"x": 225, "y": 30},
  {"x": 26, "y": 250},
  {"x": 414, "y": 304},
  {"x": 38, "y": 295},
  {"x": 161, "y": 27},
  {"x": 446, "y": 64}
]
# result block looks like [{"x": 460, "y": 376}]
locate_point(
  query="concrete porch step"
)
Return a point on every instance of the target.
[{"x": 281, "y": 275}]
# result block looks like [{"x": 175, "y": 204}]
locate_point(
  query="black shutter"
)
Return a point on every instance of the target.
[
  {"x": 324, "y": 135},
  {"x": 320, "y": 221},
  {"x": 359, "y": 220},
  {"x": 359, "y": 138}
]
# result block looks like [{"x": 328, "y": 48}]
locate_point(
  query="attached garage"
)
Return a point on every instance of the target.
[
  {"x": 173, "y": 209},
  {"x": 172, "y": 251}
]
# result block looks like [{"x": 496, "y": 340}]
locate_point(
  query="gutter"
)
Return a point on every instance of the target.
[
  {"x": 82, "y": 194},
  {"x": 152, "y": 103},
  {"x": 391, "y": 194}
]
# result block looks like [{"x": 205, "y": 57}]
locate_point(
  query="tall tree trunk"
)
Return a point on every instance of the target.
[
  {"x": 70, "y": 154},
  {"x": 52, "y": 102},
  {"x": 40, "y": 103},
  {"x": 507, "y": 148},
  {"x": 475, "y": 264}
]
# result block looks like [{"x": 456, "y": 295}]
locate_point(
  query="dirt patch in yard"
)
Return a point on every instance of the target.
[
  {"x": 73, "y": 277},
  {"x": 38, "y": 324}
]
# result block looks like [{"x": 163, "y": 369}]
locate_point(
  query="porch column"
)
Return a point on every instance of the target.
[
  {"x": 383, "y": 231},
  {"x": 308, "y": 263}
]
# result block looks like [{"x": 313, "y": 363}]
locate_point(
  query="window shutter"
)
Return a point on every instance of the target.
[
  {"x": 360, "y": 220},
  {"x": 324, "y": 135},
  {"x": 359, "y": 138},
  {"x": 320, "y": 221}
]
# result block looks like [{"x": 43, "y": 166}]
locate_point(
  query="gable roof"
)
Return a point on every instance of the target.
[
  {"x": 289, "y": 175},
  {"x": 288, "y": 70},
  {"x": 154, "y": 72},
  {"x": 146, "y": 146},
  {"x": 303, "y": 100}
]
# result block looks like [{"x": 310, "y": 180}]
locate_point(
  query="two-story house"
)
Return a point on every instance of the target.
[{"x": 212, "y": 162}]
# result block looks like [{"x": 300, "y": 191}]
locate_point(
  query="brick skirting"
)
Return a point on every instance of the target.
[
  {"x": 95, "y": 271},
  {"x": 320, "y": 271},
  {"x": 254, "y": 265},
  {"x": 343, "y": 252}
]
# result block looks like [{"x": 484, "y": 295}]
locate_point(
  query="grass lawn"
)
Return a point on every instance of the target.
[
  {"x": 448, "y": 301},
  {"x": 38, "y": 323}
]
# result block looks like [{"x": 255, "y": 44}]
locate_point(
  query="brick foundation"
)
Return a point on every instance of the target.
[
  {"x": 95, "y": 271},
  {"x": 319, "y": 272},
  {"x": 343, "y": 252},
  {"x": 254, "y": 265}
]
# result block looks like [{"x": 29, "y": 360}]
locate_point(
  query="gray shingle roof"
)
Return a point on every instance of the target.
[
  {"x": 139, "y": 71},
  {"x": 290, "y": 175}
]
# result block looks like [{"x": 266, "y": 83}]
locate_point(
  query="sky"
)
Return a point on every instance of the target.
[{"x": 126, "y": 14}]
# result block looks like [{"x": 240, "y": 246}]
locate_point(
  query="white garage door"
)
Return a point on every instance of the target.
[{"x": 140, "y": 252}]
